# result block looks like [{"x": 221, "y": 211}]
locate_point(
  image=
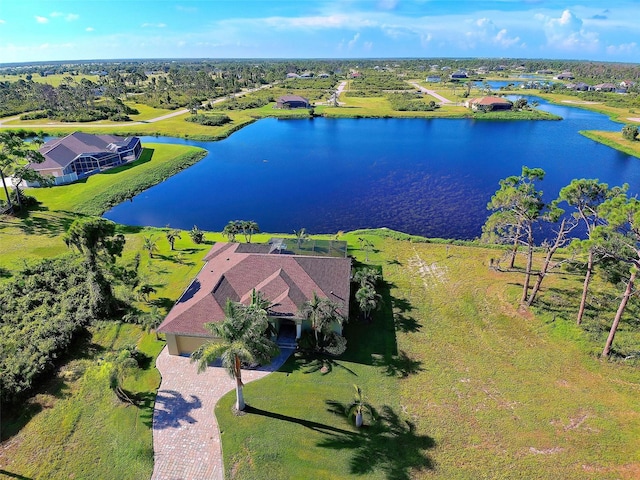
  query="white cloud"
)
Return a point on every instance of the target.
[
  {"x": 503, "y": 39},
  {"x": 353, "y": 41},
  {"x": 153, "y": 25},
  {"x": 89, "y": 29},
  {"x": 387, "y": 4},
  {"x": 2, "y": 21},
  {"x": 42, "y": 19},
  {"x": 623, "y": 48},
  {"x": 568, "y": 33},
  {"x": 368, "y": 46},
  {"x": 69, "y": 17},
  {"x": 181, "y": 43}
]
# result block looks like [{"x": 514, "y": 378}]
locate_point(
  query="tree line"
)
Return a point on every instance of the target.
[{"x": 610, "y": 218}]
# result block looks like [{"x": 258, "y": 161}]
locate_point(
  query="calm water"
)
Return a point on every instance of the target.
[{"x": 426, "y": 177}]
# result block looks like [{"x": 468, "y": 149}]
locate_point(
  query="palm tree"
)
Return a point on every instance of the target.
[
  {"x": 301, "y": 235},
  {"x": 152, "y": 320},
  {"x": 196, "y": 235},
  {"x": 249, "y": 227},
  {"x": 150, "y": 245},
  {"x": 359, "y": 406},
  {"x": 367, "y": 276},
  {"x": 368, "y": 300},
  {"x": 322, "y": 313},
  {"x": 231, "y": 229},
  {"x": 239, "y": 338},
  {"x": 144, "y": 291},
  {"x": 367, "y": 246},
  {"x": 172, "y": 236}
]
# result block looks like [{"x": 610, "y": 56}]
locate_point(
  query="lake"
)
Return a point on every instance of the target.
[{"x": 426, "y": 177}]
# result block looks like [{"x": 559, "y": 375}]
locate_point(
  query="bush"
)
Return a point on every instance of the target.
[
  {"x": 33, "y": 115},
  {"x": 120, "y": 117},
  {"x": 196, "y": 235},
  {"x": 630, "y": 132},
  {"x": 52, "y": 302},
  {"x": 307, "y": 341},
  {"x": 209, "y": 121},
  {"x": 335, "y": 345}
]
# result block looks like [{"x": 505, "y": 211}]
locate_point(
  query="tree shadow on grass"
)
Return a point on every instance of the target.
[
  {"x": 162, "y": 302},
  {"x": 312, "y": 363},
  {"x": 36, "y": 222},
  {"x": 390, "y": 444},
  {"x": 5, "y": 473},
  {"x": 318, "y": 427},
  {"x": 400, "y": 366}
]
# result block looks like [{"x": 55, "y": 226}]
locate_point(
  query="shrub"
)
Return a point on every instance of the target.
[
  {"x": 196, "y": 235},
  {"x": 209, "y": 121},
  {"x": 630, "y": 132},
  {"x": 33, "y": 115}
]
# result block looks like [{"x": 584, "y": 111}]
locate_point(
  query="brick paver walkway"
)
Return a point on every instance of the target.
[{"x": 186, "y": 439}]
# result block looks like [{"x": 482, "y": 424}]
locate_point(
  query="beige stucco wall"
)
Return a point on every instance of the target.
[{"x": 182, "y": 345}]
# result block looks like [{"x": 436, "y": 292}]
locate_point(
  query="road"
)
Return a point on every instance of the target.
[
  {"x": 443, "y": 101},
  {"x": 183, "y": 111}
]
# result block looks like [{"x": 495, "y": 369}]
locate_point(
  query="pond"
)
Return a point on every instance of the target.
[{"x": 426, "y": 177}]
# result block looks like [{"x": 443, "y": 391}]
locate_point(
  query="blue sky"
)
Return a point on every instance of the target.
[{"x": 41, "y": 30}]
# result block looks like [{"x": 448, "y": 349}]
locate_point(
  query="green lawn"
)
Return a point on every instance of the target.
[
  {"x": 492, "y": 392},
  {"x": 614, "y": 140},
  {"x": 97, "y": 193}
]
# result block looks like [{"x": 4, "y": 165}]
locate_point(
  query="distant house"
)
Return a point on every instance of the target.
[
  {"x": 233, "y": 270},
  {"x": 323, "y": 75},
  {"x": 81, "y": 154},
  {"x": 292, "y": 75},
  {"x": 604, "y": 87},
  {"x": 292, "y": 101},
  {"x": 458, "y": 75},
  {"x": 434, "y": 79},
  {"x": 627, "y": 84},
  {"x": 488, "y": 103},
  {"x": 565, "y": 76},
  {"x": 355, "y": 75},
  {"x": 579, "y": 87}
]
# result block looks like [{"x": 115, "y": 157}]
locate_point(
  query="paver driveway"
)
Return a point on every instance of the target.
[{"x": 186, "y": 439}]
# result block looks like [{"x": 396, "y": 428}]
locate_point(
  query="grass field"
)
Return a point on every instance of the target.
[
  {"x": 54, "y": 80},
  {"x": 467, "y": 385},
  {"x": 614, "y": 140},
  {"x": 96, "y": 194},
  {"x": 474, "y": 388}
]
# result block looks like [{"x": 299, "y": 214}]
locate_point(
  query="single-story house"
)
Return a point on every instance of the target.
[
  {"x": 234, "y": 270},
  {"x": 292, "y": 101},
  {"x": 565, "y": 76},
  {"x": 627, "y": 84},
  {"x": 458, "y": 75},
  {"x": 434, "y": 79},
  {"x": 580, "y": 86},
  {"x": 604, "y": 87},
  {"x": 82, "y": 154},
  {"x": 488, "y": 103},
  {"x": 292, "y": 75}
]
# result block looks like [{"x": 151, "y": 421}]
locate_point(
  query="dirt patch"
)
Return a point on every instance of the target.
[
  {"x": 546, "y": 451},
  {"x": 431, "y": 273},
  {"x": 634, "y": 119},
  {"x": 581, "y": 102}
]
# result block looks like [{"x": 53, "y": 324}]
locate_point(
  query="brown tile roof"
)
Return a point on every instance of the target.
[
  {"x": 287, "y": 281},
  {"x": 489, "y": 101}
]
